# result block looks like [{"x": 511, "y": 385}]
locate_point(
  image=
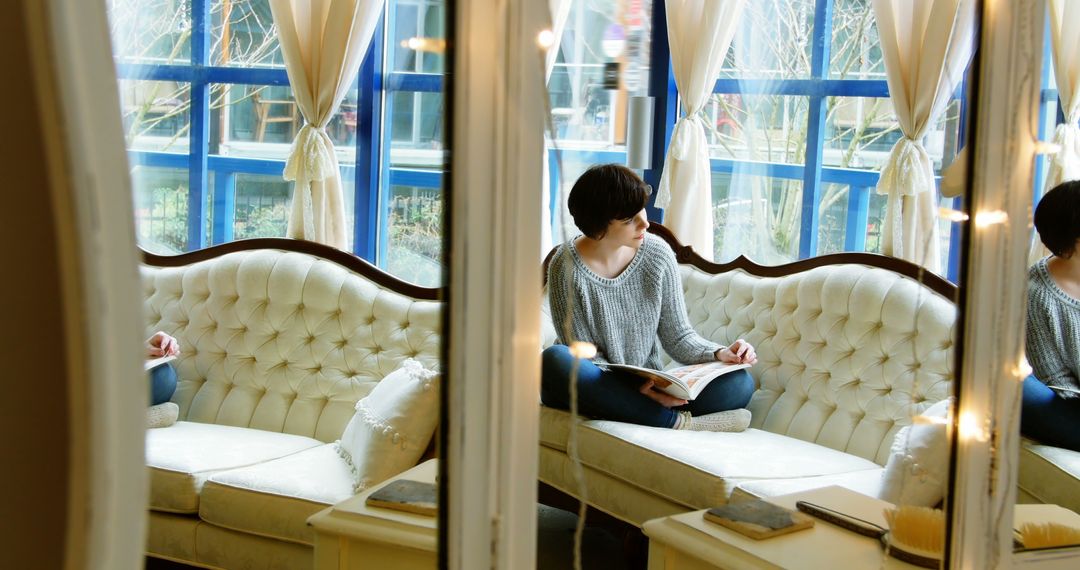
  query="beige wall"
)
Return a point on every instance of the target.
[{"x": 34, "y": 418}]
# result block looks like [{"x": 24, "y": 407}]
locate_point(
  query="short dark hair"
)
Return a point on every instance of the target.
[
  {"x": 1057, "y": 218},
  {"x": 605, "y": 193}
]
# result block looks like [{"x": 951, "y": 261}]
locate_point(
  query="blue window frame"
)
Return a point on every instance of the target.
[{"x": 212, "y": 216}]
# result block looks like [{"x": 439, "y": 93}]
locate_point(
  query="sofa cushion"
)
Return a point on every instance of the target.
[
  {"x": 392, "y": 425},
  {"x": 701, "y": 469},
  {"x": 183, "y": 456},
  {"x": 554, "y": 427},
  {"x": 275, "y": 499},
  {"x": 867, "y": 482},
  {"x": 1050, "y": 474}
]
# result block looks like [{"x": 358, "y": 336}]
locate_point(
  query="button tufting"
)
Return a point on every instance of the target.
[
  {"x": 300, "y": 307},
  {"x": 310, "y": 339}
]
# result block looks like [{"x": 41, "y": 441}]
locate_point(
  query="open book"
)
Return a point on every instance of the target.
[
  {"x": 685, "y": 382},
  {"x": 152, "y": 363}
]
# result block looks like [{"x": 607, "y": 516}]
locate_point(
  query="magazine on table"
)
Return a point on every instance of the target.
[{"x": 685, "y": 382}]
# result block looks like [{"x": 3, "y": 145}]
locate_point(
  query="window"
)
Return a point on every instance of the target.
[
  {"x": 210, "y": 118},
  {"x": 800, "y": 121}
]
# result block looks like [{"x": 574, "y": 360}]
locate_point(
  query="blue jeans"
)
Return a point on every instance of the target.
[
  {"x": 162, "y": 383},
  {"x": 611, "y": 395},
  {"x": 1049, "y": 418}
]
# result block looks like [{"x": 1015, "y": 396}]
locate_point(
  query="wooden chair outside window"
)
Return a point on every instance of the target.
[{"x": 274, "y": 111}]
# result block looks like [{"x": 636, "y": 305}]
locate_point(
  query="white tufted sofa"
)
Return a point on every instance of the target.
[
  {"x": 847, "y": 354},
  {"x": 277, "y": 347}
]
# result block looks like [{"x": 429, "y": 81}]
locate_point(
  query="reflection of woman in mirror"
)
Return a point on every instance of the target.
[
  {"x": 162, "y": 412},
  {"x": 618, "y": 288},
  {"x": 1051, "y": 404}
]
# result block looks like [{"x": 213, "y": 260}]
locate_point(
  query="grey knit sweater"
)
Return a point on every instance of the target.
[
  {"x": 629, "y": 317},
  {"x": 1053, "y": 331}
]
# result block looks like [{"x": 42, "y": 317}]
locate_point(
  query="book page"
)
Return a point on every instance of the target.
[
  {"x": 152, "y": 363},
  {"x": 694, "y": 373}
]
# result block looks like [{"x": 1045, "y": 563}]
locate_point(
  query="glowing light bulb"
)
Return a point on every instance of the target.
[
  {"x": 987, "y": 218},
  {"x": 582, "y": 349},
  {"x": 1023, "y": 369},
  {"x": 952, "y": 215},
  {"x": 929, "y": 420},
  {"x": 433, "y": 45},
  {"x": 972, "y": 428},
  {"x": 545, "y": 39},
  {"x": 1047, "y": 147}
]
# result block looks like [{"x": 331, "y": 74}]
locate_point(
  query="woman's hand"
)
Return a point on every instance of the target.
[
  {"x": 739, "y": 352},
  {"x": 162, "y": 344},
  {"x": 662, "y": 398}
]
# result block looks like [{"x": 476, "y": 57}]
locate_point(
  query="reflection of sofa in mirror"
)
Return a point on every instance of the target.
[
  {"x": 1049, "y": 474},
  {"x": 850, "y": 347},
  {"x": 277, "y": 348}
]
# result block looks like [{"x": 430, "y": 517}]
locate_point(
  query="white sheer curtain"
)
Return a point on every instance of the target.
[
  {"x": 560, "y": 12},
  {"x": 699, "y": 33},
  {"x": 323, "y": 43},
  {"x": 1065, "y": 45},
  {"x": 926, "y": 45}
]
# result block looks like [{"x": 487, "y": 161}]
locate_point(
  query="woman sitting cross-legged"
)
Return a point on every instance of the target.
[
  {"x": 1051, "y": 404},
  {"x": 618, "y": 288}
]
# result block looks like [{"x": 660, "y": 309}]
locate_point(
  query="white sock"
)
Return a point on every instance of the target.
[
  {"x": 162, "y": 415},
  {"x": 729, "y": 421}
]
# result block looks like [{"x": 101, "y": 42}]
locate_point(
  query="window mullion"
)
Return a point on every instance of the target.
[
  {"x": 665, "y": 100},
  {"x": 815, "y": 131},
  {"x": 369, "y": 127},
  {"x": 200, "y": 125}
]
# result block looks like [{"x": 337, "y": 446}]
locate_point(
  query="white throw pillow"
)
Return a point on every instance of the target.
[
  {"x": 392, "y": 425},
  {"x": 918, "y": 466}
]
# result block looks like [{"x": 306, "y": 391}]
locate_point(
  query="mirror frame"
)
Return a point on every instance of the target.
[
  {"x": 491, "y": 423},
  {"x": 987, "y": 416}
]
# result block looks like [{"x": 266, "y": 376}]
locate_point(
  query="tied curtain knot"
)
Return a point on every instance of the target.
[
  {"x": 909, "y": 170},
  {"x": 687, "y": 138},
  {"x": 311, "y": 158},
  {"x": 1066, "y": 162}
]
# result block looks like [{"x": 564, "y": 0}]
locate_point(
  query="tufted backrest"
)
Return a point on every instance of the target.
[
  {"x": 847, "y": 353},
  {"x": 283, "y": 341}
]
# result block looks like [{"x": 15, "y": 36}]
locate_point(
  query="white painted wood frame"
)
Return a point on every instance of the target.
[
  {"x": 988, "y": 418},
  {"x": 495, "y": 283},
  {"x": 108, "y": 479}
]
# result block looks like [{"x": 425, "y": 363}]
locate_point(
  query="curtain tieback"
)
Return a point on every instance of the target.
[
  {"x": 1067, "y": 136},
  {"x": 687, "y": 130},
  {"x": 908, "y": 170},
  {"x": 311, "y": 155}
]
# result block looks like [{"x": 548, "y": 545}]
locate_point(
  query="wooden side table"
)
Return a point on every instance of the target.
[
  {"x": 688, "y": 542},
  {"x": 351, "y": 535}
]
